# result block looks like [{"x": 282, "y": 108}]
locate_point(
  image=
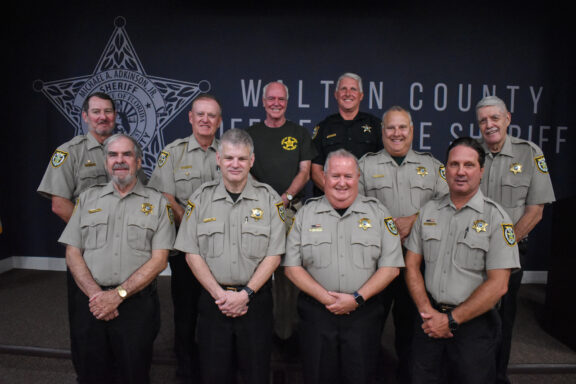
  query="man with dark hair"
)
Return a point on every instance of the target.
[
  {"x": 342, "y": 251},
  {"x": 355, "y": 131},
  {"x": 117, "y": 243},
  {"x": 182, "y": 167},
  {"x": 233, "y": 235},
  {"x": 467, "y": 246},
  {"x": 516, "y": 176}
]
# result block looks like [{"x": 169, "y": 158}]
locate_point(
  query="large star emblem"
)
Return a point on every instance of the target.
[{"x": 145, "y": 104}]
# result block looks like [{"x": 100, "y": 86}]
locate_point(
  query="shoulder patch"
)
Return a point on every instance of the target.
[
  {"x": 541, "y": 164},
  {"x": 162, "y": 158},
  {"x": 315, "y": 132},
  {"x": 189, "y": 209},
  {"x": 509, "y": 235},
  {"x": 391, "y": 226},
  {"x": 170, "y": 213},
  {"x": 281, "y": 211},
  {"x": 58, "y": 158},
  {"x": 442, "y": 172}
]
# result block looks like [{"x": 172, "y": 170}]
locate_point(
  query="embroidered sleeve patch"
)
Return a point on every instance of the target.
[
  {"x": 281, "y": 211},
  {"x": 442, "y": 172},
  {"x": 58, "y": 158},
  {"x": 170, "y": 213},
  {"x": 541, "y": 164},
  {"x": 189, "y": 209},
  {"x": 391, "y": 226},
  {"x": 162, "y": 158},
  {"x": 509, "y": 235}
]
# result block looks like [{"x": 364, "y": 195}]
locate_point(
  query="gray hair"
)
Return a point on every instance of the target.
[
  {"x": 275, "y": 82},
  {"x": 236, "y": 136},
  {"x": 396, "y": 108},
  {"x": 341, "y": 153},
  {"x": 351, "y": 76},
  {"x": 116, "y": 136},
  {"x": 492, "y": 101}
]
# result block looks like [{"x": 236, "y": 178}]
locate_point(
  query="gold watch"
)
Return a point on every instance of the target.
[{"x": 121, "y": 292}]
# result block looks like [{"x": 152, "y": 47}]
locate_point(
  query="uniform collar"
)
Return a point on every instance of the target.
[
  {"x": 249, "y": 192},
  {"x": 506, "y": 148},
  {"x": 356, "y": 206},
  {"x": 92, "y": 142},
  {"x": 193, "y": 144},
  {"x": 476, "y": 202},
  {"x": 139, "y": 189},
  {"x": 387, "y": 158}
]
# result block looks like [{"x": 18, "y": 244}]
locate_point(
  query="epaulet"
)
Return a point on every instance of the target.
[
  {"x": 259, "y": 184},
  {"x": 176, "y": 143},
  {"x": 370, "y": 199},
  {"x": 496, "y": 205},
  {"x": 76, "y": 140},
  {"x": 312, "y": 199},
  {"x": 369, "y": 154},
  {"x": 517, "y": 140},
  {"x": 209, "y": 184},
  {"x": 428, "y": 154}
]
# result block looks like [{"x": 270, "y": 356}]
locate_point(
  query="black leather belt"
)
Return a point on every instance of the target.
[
  {"x": 238, "y": 288},
  {"x": 441, "y": 307}
]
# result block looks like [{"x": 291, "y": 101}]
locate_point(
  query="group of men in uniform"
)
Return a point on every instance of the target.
[{"x": 224, "y": 212}]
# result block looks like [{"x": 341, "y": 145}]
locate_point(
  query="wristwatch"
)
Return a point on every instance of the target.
[
  {"x": 121, "y": 292},
  {"x": 249, "y": 291},
  {"x": 452, "y": 324},
  {"x": 359, "y": 299},
  {"x": 289, "y": 197}
]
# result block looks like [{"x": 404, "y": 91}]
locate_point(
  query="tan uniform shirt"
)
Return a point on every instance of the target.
[
  {"x": 233, "y": 237},
  {"x": 517, "y": 176},
  {"x": 117, "y": 234},
  {"x": 74, "y": 166},
  {"x": 183, "y": 166},
  {"x": 459, "y": 246},
  {"x": 342, "y": 252},
  {"x": 403, "y": 189}
]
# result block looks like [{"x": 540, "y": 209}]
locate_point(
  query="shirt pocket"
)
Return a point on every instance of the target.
[
  {"x": 94, "y": 228},
  {"x": 187, "y": 180},
  {"x": 421, "y": 190},
  {"x": 255, "y": 239},
  {"x": 471, "y": 251},
  {"x": 514, "y": 190},
  {"x": 316, "y": 249},
  {"x": 431, "y": 237},
  {"x": 140, "y": 231},
  {"x": 365, "y": 251},
  {"x": 89, "y": 176},
  {"x": 211, "y": 239}
]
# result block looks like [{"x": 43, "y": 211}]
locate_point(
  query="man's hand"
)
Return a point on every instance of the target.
[
  {"x": 233, "y": 304},
  {"x": 344, "y": 303},
  {"x": 104, "y": 305},
  {"x": 435, "y": 325}
]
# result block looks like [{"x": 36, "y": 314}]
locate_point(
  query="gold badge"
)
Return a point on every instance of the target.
[
  {"x": 367, "y": 128},
  {"x": 315, "y": 132},
  {"x": 170, "y": 213},
  {"x": 316, "y": 228},
  {"x": 281, "y": 211},
  {"x": 516, "y": 168},
  {"x": 289, "y": 143},
  {"x": 256, "y": 213},
  {"x": 147, "y": 208},
  {"x": 421, "y": 171},
  {"x": 480, "y": 226},
  {"x": 442, "y": 172},
  {"x": 364, "y": 223},
  {"x": 509, "y": 235},
  {"x": 391, "y": 226},
  {"x": 93, "y": 210},
  {"x": 189, "y": 208},
  {"x": 90, "y": 163},
  {"x": 58, "y": 158},
  {"x": 162, "y": 158},
  {"x": 541, "y": 164}
]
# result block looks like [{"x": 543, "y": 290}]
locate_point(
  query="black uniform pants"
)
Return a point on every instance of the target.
[
  {"x": 227, "y": 344},
  {"x": 339, "y": 348},
  {"x": 119, "y": 350},
  {"x": 185, "y": 290},
  {"x": 468, "y": 357}
]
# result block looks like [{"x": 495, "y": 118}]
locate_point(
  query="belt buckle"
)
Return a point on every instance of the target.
[
  {"x": 445, "y": 308},
  {"x": 233, "y": 289}
]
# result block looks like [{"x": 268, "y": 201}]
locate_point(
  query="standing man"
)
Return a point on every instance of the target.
[
  {"x": 342, "y": 251},
  {"x": 117, "y": 243},
  {"x": 355, "y": 131},
  {"x": 76, "y": 165},
  {"x": 182, "y": 167},
  {"x": 284, "y": 152},
  {"x": 467, "y": 246},
  {"x": 403, "y": 180},
  {"x": 516, "y": 177},
  {"x": 233, "y": 236}
]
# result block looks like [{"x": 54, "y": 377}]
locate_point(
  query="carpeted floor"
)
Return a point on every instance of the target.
[{"x": 34, "y": 337}]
